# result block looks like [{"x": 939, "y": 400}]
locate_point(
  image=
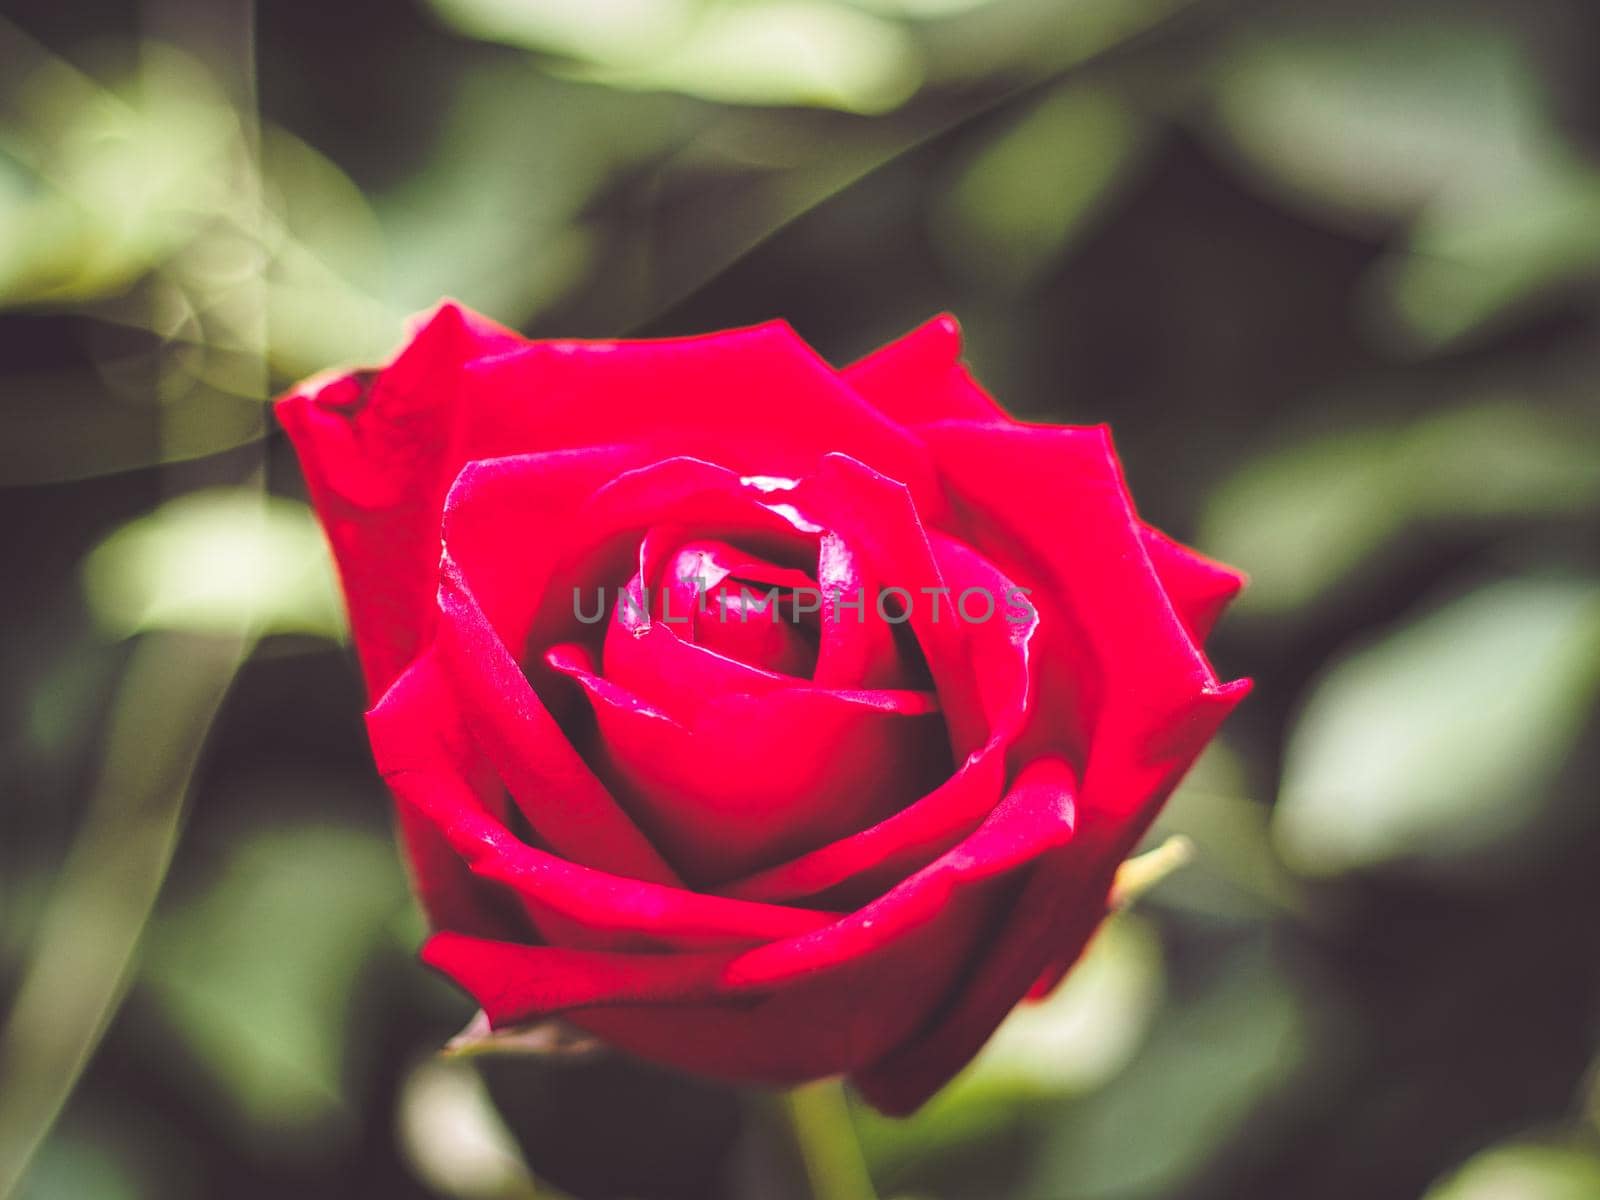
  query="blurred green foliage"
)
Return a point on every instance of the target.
[
  {"x": 1445, "y": 738},
  {"x": 1537, "y": 1172},
  {"x": 1331, "y": 272},
  {"x": 256, "y": 973},
  {"x": 216, "y": 561}
]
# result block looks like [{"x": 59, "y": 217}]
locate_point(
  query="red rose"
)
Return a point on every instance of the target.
[{"x": 893, "y": 686}]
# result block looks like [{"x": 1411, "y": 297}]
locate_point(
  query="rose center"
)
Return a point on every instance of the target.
[{"x": 744, "y": 607}]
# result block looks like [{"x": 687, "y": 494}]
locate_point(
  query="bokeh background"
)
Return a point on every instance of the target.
[{"x": 1332, "y": 273}]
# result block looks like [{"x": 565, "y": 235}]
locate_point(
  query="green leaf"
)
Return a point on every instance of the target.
[
  {"x": 1474, "y": 262},
  {"x": 620, "y": 31},
  {"x": 922, "y": 10},
  {"x": 455, "y": 1139},
  {"x": 1030, "y": 191},
  {"x": 481, "y": 200},
  {"x": 1377, "y": 118},
  {"x": 1523, "y": 1172},
  {"x": 1302, "y": 518},
  {"x": 1084, "y": 1032},
  {"x": 1031, "y": 39},
  {"x": 115, "y": 181},
  {"x": 1214, "y": 1063},
  {"x": 219, "y": 561},
  {"x": 1445, "y": 736},
  {"x": 767, "y": 52},
  {"x": 257, "y": 971},
  {"x": 781, "y": 52},
  {"x": 327, "y": 272},
  {"x": 1442, "y": 121}
]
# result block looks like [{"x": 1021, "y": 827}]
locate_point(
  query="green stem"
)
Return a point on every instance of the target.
[{"x": 818, "y": 1116}]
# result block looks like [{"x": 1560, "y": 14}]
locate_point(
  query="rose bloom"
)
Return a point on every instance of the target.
[{"x": 714, "y": 828}]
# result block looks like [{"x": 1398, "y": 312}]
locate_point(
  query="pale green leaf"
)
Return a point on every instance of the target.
[
  {"x": 222, "y": 561},
  {"x": 455, "y": 1139},
  {"x": 783, "y": 52},
  {"x": 1523, "y": 1172},
  {"x": 610, "y": 31},
  {"x": 1472, "y": 261},
  {"x": 1302, "y": 518},
  {"x": 1216, "y": 1062},
  {"x": 116, "y": 180},
  {"x": 766, "y": 52},
  {"x": 1445, "y": 736},
  {"x": 1378, "y": 118}
]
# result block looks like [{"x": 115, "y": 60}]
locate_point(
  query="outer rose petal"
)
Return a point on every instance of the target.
[
  {"x": 376, "y": 449},
  {"x": 1131, "y": 656},
  {"x": 1051, "y": 923},
  {"x": 820, "y": 1003},
  {"x": 427, "y": 757},
  {"x": 919, "y": 378},
  {"x": 1148, "y": 702},
  {"x": 757, "y": 400},
  {"x": 514, "y": 982},
  {"x": 1199, "y": 588}
]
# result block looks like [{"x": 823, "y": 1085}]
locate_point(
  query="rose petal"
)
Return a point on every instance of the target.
[
  {"x": 1123, "y": 645},
  {"x": 919, "y": 378},
  {"x": 819, "y": 1003},
  {"x": 1000, "y": 623},
  {"x": 879, "y": 519},
  {"x": 759, "y": 400},
  {"x": 732, "y": 603},
  {"x": 573, "y": 905},
  {"x": 508, "y": 522},
  {"x": 651, "y": 661},
  {"x": 1035, "y": 818},
  {"x": 517, "y": 530},
  {"x": 753, "y": 779},
  {"x": 416, "y": 712},
  {"x": 861, "y": 984},
  {"x": 1147, "y": 701},
  {"x": 529, "y": 750},
  {"x": 1200, "y": 588},
  {"x": 864, "y": 865},
  {"x": 377, "y": 451},
  {"x": 514, "y": 983},
  {"x": 1048, "y": 927},
  {"x": 859, "y": 645},
  {"x": 450, "y": 895}
]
